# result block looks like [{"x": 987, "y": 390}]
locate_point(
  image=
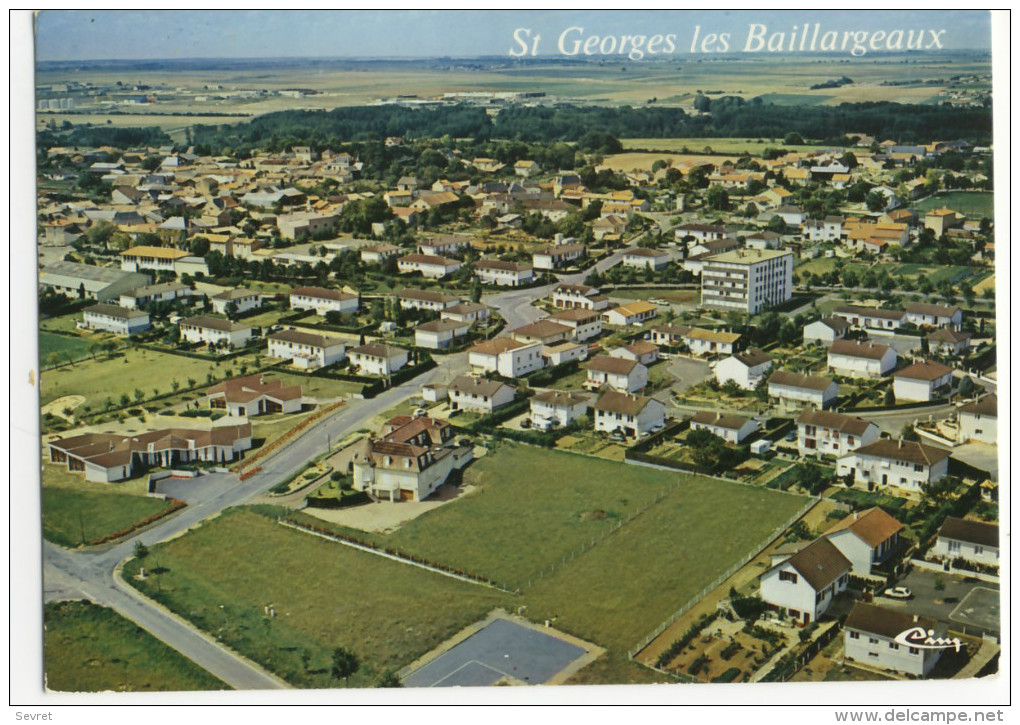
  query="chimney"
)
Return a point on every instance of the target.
[
  {"x": 915, "y": 618},
  {"x": 899, "y": 443}
]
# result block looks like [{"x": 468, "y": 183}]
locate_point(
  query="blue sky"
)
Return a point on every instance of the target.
[{"x": 151, "y": 34}]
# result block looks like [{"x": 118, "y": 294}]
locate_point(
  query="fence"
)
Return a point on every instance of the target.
[{"x": 718, "y": 580}]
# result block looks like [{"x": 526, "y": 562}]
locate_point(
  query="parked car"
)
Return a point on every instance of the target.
[{"x": 898, "y": 593}]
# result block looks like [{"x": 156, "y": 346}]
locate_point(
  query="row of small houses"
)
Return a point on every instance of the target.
[{"x": 806, "y": 578}]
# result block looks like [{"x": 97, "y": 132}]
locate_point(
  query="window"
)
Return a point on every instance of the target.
[
  {"x": 914, "y": 650},
  {"x": 979, "y": 549},
  {"x": 855, "y": 635},
  {"x": 954, "y": 545},
  {"x": 918, "y": 467},
  {"x": 872, "y": 640},
  {"x": 788, "y": 576},
  {"x": 893, "y": 645},
  {"x": 873, "y": 654}
]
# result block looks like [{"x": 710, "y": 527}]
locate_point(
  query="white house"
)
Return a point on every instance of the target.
[
  {"x": 979, "y": 419},
  {"x": 829, "y": 229},
  {"x": 470, "y": 312},
  {"x": 306, "y": 350},
  {"x": 905, "y": 465},
  {"x": 863, "y": 318},
  {"x": 242, "y": 299},
  {"x": 710, "y": 342},
  {"x": 973, "y": 541},
  {"x": 923, "y": 314},
  {"x": 214, "y": 331},
  {"x": 747, "y": 369},
  {"x": 627, "y": 376},
  {"x": 947, "y": 341},
  {"x": 323, "y": 300},
  {"x": 431, "y": 266},
  {"x": 559, "y": 406},
  {"x": 254, "y": 395},
  {"x": 411, "y": 458},
  {"x": 633, "y": 313},
  {"x": 699, "y": 232},
  {"x": 825, "y": 331},
  {"x": 861, "y": 359},
  {"x": 866, "y": 538},
  {"x": 670, "y": 335},
  {"x": 573, "y": 296},
  {"x": 506, "y": 274},
  {"x": 796, "y": 389},
  {"x": 156, "y": 259},
  {"x": 641, "y": 351},
  {"x": 563, "y": 352},
  {"x": 505, "y": 356},
  {"x": 643, "y": 258},
  {"x": 439, "y": 334},
  {"x": 377, "y": 359},
  {"x": 805, "y": 585},
  {"x": 417, "y": 299},
  {"x": 379, "y": 253},
  {"x": 870, "y": 635},
  {"x": 731, "y": 428},
  {"x": 545, "y": 331},
  {"x": 822, "y": 432},
  {"x": 630, "y": 415},
  {"x": 471, "y": 393},
  {"x": 584, "y": 324},
  {"x": 557, "y": 256},
  {"x": 118, "y": 320},
  {"x": 922, "y": 381},
  {"x": 764, "y": 240}
]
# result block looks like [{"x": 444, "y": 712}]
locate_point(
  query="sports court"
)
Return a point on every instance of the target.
[{"x": 500, "y": 650}]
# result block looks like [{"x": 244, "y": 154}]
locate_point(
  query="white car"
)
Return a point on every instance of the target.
[{"x": 898, "y": 593}]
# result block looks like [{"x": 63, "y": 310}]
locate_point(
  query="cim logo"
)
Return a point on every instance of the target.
[{"x": 922, "y": 638}]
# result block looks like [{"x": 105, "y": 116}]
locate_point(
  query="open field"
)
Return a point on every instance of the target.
[
  {"x": 736, "y": 146},
  {"x": 73, "y": 515},
  {"x": 531, "y": 507},
  {"x": 973, "y": 204},
  {"x": 88, "y": 648},
  {"x": 120, "y": 120},
  {"x": 316, "y": 387},
  {"x": 325, "y": 595},
  {"x": 102, "y": 380},
  {"x": 63, "y": 347},
  {"x": 619, "y": 591}
]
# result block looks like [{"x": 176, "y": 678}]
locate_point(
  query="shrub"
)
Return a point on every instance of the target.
[{"x": 728, "y": 676}]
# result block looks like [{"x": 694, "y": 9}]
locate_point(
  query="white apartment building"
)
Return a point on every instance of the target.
[{"x": 747, "y": 280}]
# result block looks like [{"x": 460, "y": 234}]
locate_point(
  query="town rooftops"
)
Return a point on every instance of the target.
[
  {"x": 753, "y": 357},
  {"x": 796, "y": 380},
  {"x": 469, "y": 384},
  {"x": 611, "y": 365},
  {"x": 107, "y": 450},
  {"x": 698, "y": 333},
  {"x": 901, "y": 450},
  {"x": 986, "y": 405},
  {"x": 154, "y": 252},
  {"x": 305, "y": 338},
  {"x": 836, "y": 324},
  {"x": 559, "y": 398},
  {"x": 322, "y": 293},
  {"x": 974, "y": 532},
  {"x": 641, "y": 347},
  {"x": 925, "y": 308},
  {"x": 869, "y": 312},
  {"x": 626, "y": 404},
  {"x": 924, "y": 370},
  {"x": 888, "y": 623},
  {"x": 820, "y": 563},
  {"x": 214, "y": 323},
  {"x": 377, "y": 350},
  {"x": 868, "y": 350},
  {"x": 498, "y": 345},
  {"x": 121, "y": 313},
  {"x": 872, "y": 526},
  {"x": 426, "y": 296},
  {"x": 849, "y": 424},
  {"x": 719, "y": 420}
]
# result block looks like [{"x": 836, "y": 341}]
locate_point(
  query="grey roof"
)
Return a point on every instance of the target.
[{"x": 85, "y": 272}]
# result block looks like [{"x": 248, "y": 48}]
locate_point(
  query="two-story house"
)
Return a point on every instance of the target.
[
  {"x": 922, "y": 381},
  {"x": 467, "y": 392},
  {"x": 870, "y": 635},
  {"x": 628, "y": 415},
  {"x": 627, "y": 376},
  {"x": 747, "y": 369},
  {"x": 805, "y": 585},
  {"x": 974, "y": 541},
  {"x": 905, "y": 465},
  {"x": 867, "y": 538}
]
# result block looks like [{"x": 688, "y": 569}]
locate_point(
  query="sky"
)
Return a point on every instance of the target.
[{"x": 166, "y": 34}]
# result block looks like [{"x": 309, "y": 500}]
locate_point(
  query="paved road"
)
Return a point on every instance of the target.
[{"x": 90, "y": 572}]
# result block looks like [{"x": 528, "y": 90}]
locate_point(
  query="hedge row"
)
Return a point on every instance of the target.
[
  {"x": 265, "y": 450},
  {"x": 327, "y": 502},
  {"x": 685, "y": 639}
]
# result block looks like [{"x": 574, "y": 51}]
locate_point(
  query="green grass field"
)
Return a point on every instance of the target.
[
  {"x": 316, "y": 387},
  {"x": 63, "y": 347},
  {"x": 107, "y": 379},
  {"x": 973, "y": 204},
  {"x": 68, "y": 512},
  {"x": 88, "y": 648},
  {"x": 326, "y": 595}
]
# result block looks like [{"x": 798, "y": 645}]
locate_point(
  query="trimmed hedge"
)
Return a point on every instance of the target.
[
  {"x": 330, "y": 502},
  {"x": 728, "y": 676}
]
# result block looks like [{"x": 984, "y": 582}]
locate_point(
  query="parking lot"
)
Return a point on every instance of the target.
[{"x": 965, "y": 603}]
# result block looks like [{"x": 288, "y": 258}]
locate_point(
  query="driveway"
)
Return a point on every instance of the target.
[
  {"x": 688, "y": 372},
  {"x": 982, "y": 455},
  {"x": 964, "y": 603}
]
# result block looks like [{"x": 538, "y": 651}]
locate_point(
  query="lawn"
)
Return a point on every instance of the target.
[
  {"x": 88, "y": 648},
  {"x": 317, "y": 387},
  {"x": 325, "y": 595},
  {"x": 532, "y": 507},
  {"x": 973, "y": 204},
  {"x": 64, "y": 347},
  {"x": 141, "y": 369},
  {"x": 624, "y": 587},
  {"x": 70, "y": 513}
]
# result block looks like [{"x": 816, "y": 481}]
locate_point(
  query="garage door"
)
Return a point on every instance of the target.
[{"x": 406, "y": 495}]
